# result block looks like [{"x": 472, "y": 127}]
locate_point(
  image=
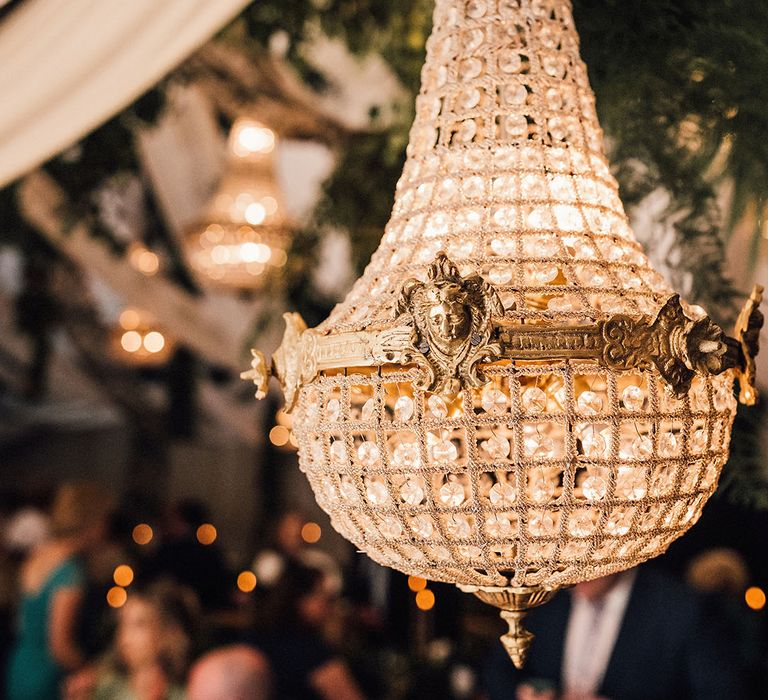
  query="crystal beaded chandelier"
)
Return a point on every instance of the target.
[
  {"x": 510, "y": 398},
  {"x": 245, "y": 232}
]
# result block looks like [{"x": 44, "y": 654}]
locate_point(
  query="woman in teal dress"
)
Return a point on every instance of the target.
[{"x": 52, "y": 583}]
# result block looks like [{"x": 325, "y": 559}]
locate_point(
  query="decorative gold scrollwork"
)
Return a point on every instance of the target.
[
  {"x": 452, "y": 328},
  {"x": 747, "y": 333},
  {"x": 259, "y": 373}
]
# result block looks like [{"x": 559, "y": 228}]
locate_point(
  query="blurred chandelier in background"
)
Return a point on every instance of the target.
[
  {"x": 510, "y": 398},
  {"x": 244, "y": 235}
]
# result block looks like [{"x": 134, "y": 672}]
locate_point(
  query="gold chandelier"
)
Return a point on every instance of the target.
[
  {"x": 245, "y": 233},
  {"x": 510, "y": 398}
]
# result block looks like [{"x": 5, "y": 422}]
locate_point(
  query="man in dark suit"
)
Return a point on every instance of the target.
[{"x": 638, "y": 635}]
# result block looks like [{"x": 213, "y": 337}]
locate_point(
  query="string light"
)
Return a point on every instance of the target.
[
  {"x": 311, "y": 533},
  {"x": 142, "y": 534},
  {"x": 137, "y": 341},
  {"x": 143, "y": 259},
  {"x": 123, "y": 575},
  {"x": 206, "y": 534},
  {"x": 246, "y": 581},
  {"x": 116, "y": 597},
  {"x": 755, "y": 598}
]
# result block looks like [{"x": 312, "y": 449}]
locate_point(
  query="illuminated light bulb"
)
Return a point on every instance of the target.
[
  {"x": 252, "y": 138},
  {"x": 311, "y": 533},
  {"x": 123, "y": 575},
  {"x": 206, "y": 534},
  {"x": 142, "y": 534},
  {"x": 246, "y": 581},
  {"x": 116, "y": 597},
  {"x": 255, "y": 213},
  {"x": 153, "y": 341},
  {"x": 131, "y": 341}
]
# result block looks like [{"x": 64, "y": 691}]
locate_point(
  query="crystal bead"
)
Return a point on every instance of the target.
[
  {"x": 630, "y": 483},
  {"x": 476, "y": 8},
  {"x": 422, "y": 525},
  {"x": 502, "y": 494},
  {"x": 338, "y": 451},
  {"x": 403, "y": 409},
  {"x": 619, "y": 522},
  {"x": 542, "y": 488},
  {"x": 593, "y": 444},
  {"x": 510, "y": 62},
  {"x": 473, "y": 39},
  {"x": 663, "y": 481},
  {"x": 369, "y": 410},
  {"x": 470, "y": 69},
  {"x": 377, "y": 493},
  {"x": 497, "y": 447},
  {"x": 723, "y": 397},
  {"x": 412, "y": 493},
  {"x": 390, "y": 527},
  {"x": 459, "y": 527},
  {"x": 667, "y": 444},
  {"x": 470, "y": 551},
  {"x": 406, "y": 455},
  {"x": 498, "y": 526},
  {"x": 437, "y": 407},
  {"x": 515, "y": 126},
  {"x": 515, "y": 94},
  {"x": 534, "y": 400},
  {"x": 348, "y": 489},
  {"x": 444, "y": 451},
  {"x": 541, "y": 524},
  {"x": 699, "y": 440},
  {"x": 540, "y": 446},
  {"x": 452, "y": 494},
  {"x": 473, "y": 186},
  {"x": 368, "y": 453},
  {"x": 459, "y": 249},
  {"x": 503, "y": 246},
  {"x": 642, "y": 447},
  {"x": 540, "y": 275},
  {"x": 493, "y": 400},
  {"x": 554, "y": 99},
  {"x": 589, "y": 402},
  {"x": 467, "y": 130},
  {"x": 633, "y": 398},
  {"x": 594, "y": 487},
  {"x": 575, "y": 550},
  {"x": 580, "y": 524},
  {"x": 333, "y": 410},
  {"x": 499, "y": 275}
]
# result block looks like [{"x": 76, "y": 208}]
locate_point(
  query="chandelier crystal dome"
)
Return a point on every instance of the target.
[
  {"x": 245, "y": 232},
  {"x": 510, "y": 398}
]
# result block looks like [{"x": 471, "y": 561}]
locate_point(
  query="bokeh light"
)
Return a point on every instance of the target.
[
  {"x": 116, "y": 597},
  {"x": 142, "y": 534},
  {"x": 416, "y": 583},
  {"x": 311, "y": 533},
  {"x": 755, "y": 598},
  {"x": 425, "y": 599},
  {"x": 246, "y": 581},
  {"x": 279, "y": 435},
  {"x": 206, "y": 534},
  {"x": 123, "y": 575}
]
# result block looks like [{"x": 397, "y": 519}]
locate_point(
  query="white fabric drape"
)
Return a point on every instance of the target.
[{"x": 66, "y": 66}]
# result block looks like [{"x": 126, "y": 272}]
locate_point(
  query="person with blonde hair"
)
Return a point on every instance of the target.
[{"x": 52, "y": 582}]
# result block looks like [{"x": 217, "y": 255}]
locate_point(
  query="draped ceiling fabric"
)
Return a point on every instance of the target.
[{"x": 69, "y": 65}]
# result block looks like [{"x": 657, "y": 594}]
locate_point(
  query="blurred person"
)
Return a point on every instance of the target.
[
  {"x": 186, "y": 560},
  {"x": 51, "y": 583},
  {"x": 719, "y": 570},
  {"x": 152, "y": 648},
  {"x": 635, "y": 635},
  {"x": 304, "y": 665},
  {"x": 231, "y": 673}
]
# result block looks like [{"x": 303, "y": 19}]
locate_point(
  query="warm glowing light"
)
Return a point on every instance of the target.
[
  {"x": 131, "y": 341},
  {"x": 129, "y": 319},
  {"x": 416, "y": 583},
  {"x": 116, "y": 597},
  {"x": 142, "y": 534},
  {"x": 154, "y": 341},
  {"x": 292, "y": 440},
  {"x": 144, "y": 260},
  {"x": 246, "y": 581},
  {"x": 279, "y": 435},
  {"x": 311, "y": 533},
  {"x": 123, "y": 575},
  {"x": 755, "y": 598},
  {"x": 425, "y": 599},
  {"x": 206, "y": 534},
  {"x": 251, "y": 138},
  {"x": 255, "y": 213}
]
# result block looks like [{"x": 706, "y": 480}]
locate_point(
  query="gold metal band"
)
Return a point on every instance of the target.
[{"x": 449, "y": 326}]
